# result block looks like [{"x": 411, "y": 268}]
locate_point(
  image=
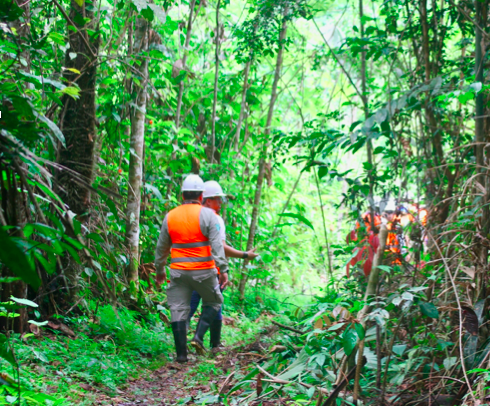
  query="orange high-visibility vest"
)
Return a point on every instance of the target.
[{"x": 191, "y": 249}]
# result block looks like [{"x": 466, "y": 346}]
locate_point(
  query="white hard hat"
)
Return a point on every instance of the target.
[
  {"x": 390, "y": 205},
  {"x": 193, "y": 183},
  {"x": 212, "y": 189}
]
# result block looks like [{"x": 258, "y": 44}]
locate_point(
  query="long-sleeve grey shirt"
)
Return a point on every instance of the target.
[{"x": 208, "y": 221}]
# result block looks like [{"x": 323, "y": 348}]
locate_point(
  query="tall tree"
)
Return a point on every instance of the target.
[
  {"x": 482, "y": 138},
  {"x": 78, "y": 117},
  {"x": 183, "y": 61},
  {"x": 264, "y": 151},
  {"x": 243, "y": 104},
  {"x": 137, "y": 143},
  {"x": 212, "y": 139},
  {"x": 181, "y": 65}
]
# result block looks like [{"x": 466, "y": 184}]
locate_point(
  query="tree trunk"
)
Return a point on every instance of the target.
[
  {"x": 243, "y": 104},
  {"x": 481, "y": 13},
  {"x": 286, "y": 204},
  {"x": 137, "y": 142},
  {"x": 212, "y": 140},
  {"x": 325, "y": 232},
  {"x": 425, "y": 38},
  {"x": 180, "y": 95},
  {"x": 263, "y": 157},
  {"x": 78, "y": 122},
  {"x": 365, "y": 103},
  {"x": 479, "y": 77},
  {"x": 184, "y": 61}
]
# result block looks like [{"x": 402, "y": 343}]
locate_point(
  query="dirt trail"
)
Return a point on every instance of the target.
[{"x": 196, "y": 382}]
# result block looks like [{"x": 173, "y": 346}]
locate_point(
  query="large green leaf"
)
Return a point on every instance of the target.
[
  {"x": 5, "y": 351},
  {"x": 52, "y": 126},
  {"x": 25, "y": 302},
  {"x": 360, "y": 330},
  {"x": 299, "y": 217},
  {"x": 154, "y": 190},
  {"x": 14, "y": 259},
  {"x": 469, "y": 351},
  {"x": 297, "y": 367},
  {"x": 429, "y": 310},
  {"x": 349, "y": 341},
  {"x": 479, "y": 307}
]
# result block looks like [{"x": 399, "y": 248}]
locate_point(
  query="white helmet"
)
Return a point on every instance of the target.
[
  {"x": 390, "y": 205},
  {"x": 193, "y": 183},
  {"x": 212, "y": 189}
]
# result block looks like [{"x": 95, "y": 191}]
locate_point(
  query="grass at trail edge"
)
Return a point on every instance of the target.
[{"x": 106, "y": 354}]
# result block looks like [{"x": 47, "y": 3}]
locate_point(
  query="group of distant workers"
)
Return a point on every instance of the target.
[
  {"x": 194, "y": 235},
  {"x": 396, "y": 219}
]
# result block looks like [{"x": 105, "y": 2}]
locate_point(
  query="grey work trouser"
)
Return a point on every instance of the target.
[{"x": 183, "y": 283}]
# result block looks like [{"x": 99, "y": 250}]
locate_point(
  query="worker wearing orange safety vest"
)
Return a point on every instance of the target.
[
  {"x": 190, "y": 233},
  {"x": 398, "y": 218},
  {"x": 392, "y": 216}
]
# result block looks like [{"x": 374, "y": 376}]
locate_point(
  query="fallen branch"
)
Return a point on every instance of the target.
[
  {"x": 284, "y": 382},
  {"x": 333, "y": 396},
  {"x": 252, "y": 353},
  {"x": 294, "y": 330},
  {"x": 227, "y": 381}
]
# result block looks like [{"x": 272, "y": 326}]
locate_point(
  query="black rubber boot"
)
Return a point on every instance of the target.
[
  {"x": 215, "y": 332},
  {"x": 207, "y": 316},
  {"x": 180, "y": 339}
]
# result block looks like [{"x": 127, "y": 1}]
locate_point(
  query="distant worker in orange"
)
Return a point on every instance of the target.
[
  {"x": 393, "y": 217},
  {"x": 190, "y": 234}
]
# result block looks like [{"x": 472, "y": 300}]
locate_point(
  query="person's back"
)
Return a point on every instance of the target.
[{"x": 191, "y": 249}]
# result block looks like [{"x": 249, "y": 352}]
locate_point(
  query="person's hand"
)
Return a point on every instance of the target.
[
  {"x": 160, "y": 279},
  {"x": 252, "y": 254},
  {"x": 223, "y": 280}
]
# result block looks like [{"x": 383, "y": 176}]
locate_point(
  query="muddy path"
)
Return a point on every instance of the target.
[{"x": 204, "y": 380}]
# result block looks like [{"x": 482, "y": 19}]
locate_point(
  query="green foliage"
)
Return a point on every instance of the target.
[
  {"x": 429, "y": 310},
  {"x": 12, "y": 257},
  {"x": 108, "y": 350}
]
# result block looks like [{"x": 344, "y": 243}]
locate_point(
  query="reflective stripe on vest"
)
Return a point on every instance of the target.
[
  {"x": 192, "y": 245},
  {"x": 191, "y": 249},
  {"x": 187, "y": 259}
]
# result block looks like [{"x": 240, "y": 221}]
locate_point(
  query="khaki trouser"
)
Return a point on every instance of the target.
[{"x": 180, "y": 288}]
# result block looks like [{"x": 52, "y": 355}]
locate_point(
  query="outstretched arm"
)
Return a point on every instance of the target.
[{"x": 231, "y": 252}]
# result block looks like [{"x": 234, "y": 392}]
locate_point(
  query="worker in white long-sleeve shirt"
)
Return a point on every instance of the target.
[{"x": 213, "y": 198}]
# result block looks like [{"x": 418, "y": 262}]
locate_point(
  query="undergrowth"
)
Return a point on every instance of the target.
[{"x": 109, "y": 350}]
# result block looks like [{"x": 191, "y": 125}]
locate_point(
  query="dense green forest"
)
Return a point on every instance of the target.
[{"x": 351, "y": 139}]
